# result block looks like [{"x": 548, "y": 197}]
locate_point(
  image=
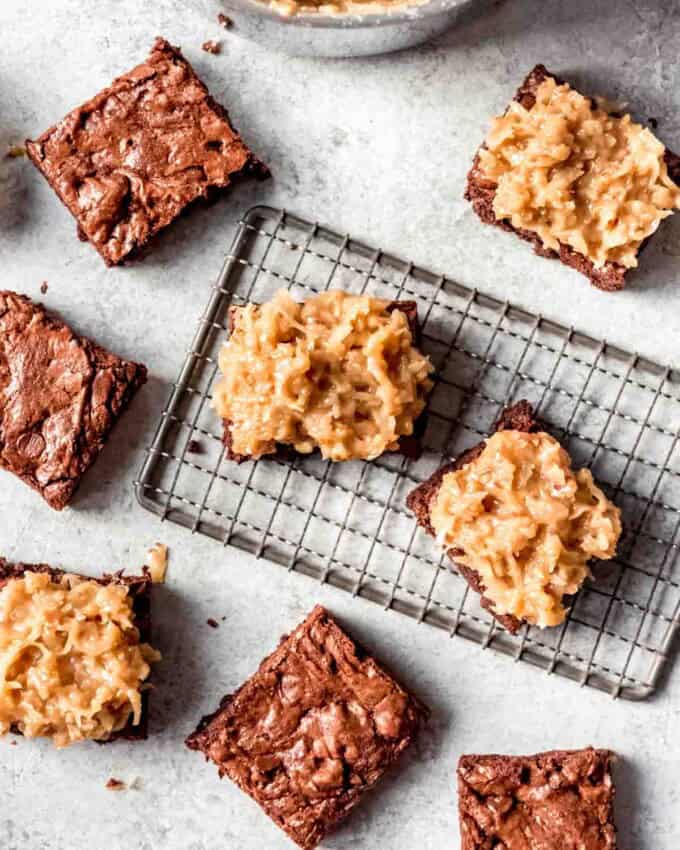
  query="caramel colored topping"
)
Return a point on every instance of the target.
[
  {"x": 338, "y": 372},
  {"x": 526, "y": 523},
  {"x": 71, "y": 664},
  {"x": 157, "y": 560},
  {"x": 578, "y": 176}
]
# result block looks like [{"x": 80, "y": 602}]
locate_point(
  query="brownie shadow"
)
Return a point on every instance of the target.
[
  {"x": 627, "y": 810},
  {"x": 110, "y": 478},
  {"x": 15, "y": 185},
  {"x": 180, "y": 678}
]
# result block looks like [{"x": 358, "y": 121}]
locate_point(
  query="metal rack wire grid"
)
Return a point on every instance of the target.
[{"x": 347, "y": 523}]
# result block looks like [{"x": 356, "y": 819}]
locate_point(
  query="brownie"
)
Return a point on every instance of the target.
[
  {"x": 518, "y": 417},
  {"x": 60, "y": 395},
  {"x": 409, "y": 445},
  {"x": 127, "y": 162},
  {"x": 139, "y": 589},
  {"x": 560, "y": 800},
  {"x": 480, "y": 191},
  {"x": 312, "y": 730}
]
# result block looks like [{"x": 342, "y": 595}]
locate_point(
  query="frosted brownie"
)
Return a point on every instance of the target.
[
  {"x": 560, "y": 800},
  {"x": 60, "y": 395},
  {"x": 579, "y": 182},
  {"x": 130, "y": 160},
  {"x": 517, "y": 521},
  {"x": 337, "y": 373},
  {"x": 312, "y": 730},
  {"x": 74, "y": 654}
]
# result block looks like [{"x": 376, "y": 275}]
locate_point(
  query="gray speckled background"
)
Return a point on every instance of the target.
[{"x": 379, "y": 147}]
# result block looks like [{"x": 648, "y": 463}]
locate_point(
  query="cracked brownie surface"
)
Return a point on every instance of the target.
[
  {"x": 60, "y": 395},
  {"x": 128, "y": 161},
  {"x": 314, "y": 728},
  {"x": 560, "y": 800}
]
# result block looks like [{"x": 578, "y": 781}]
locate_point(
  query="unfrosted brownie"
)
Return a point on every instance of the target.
[
  {"x": 312, "y": 730},
  {"x": 60, "y": 395},
  {"x": 481, "y": 192},
  {"x": 123, "y": 649},
  {"x": 130, "y": 160},
  {"x": 560, "y": 800}
]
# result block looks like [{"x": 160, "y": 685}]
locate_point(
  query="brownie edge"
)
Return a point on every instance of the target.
[
  {"x": 139, "y": 589},
  {"x": 557, "y": 800},
  {"x": 517, "y": 417},
  {"x": 312, "y": 730}
]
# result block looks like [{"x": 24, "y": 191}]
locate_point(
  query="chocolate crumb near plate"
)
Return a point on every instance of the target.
[
  {"x": 44, "y": 287},
  {"x": 115, "y": 785},
  {"x": 212, "y": 623},
  {"x": 194, "y": 447},
  {"x": 211, "y": 46},
  {"x": 224, "y": 21}
]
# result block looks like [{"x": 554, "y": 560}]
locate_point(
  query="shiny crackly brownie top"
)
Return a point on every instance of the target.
[
  {"x": 551, "y": 801},
  {"x": 130, "y": 159},
  {"x": 60, "y": 394},
  {"x": 316, "y": 726}
]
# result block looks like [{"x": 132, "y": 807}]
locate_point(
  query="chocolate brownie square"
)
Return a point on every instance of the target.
[
  {"x": 312, "y": 730},
  {"x": 560, "y": 800},
  {"x": 139, "y": 591},
  {"x": 127, "y": 162},
  {"x": 60, "y": 395},
  {"x": 481, "y": 192}
]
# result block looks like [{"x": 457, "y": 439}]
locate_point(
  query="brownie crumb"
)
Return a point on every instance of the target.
[
  {"x": 212, "y": 623},
  {"x": 211, "y": 46},
  {"x": 15, "y": 152},
  {"x": 12, "y": 743},
  {"x": 115, "y": 785},
  {"x": 194, "y": 447},
  {"x": 653, "y": 123},
  {"x": 224, "y": 21},
  {"x": 44, "y": 287}
]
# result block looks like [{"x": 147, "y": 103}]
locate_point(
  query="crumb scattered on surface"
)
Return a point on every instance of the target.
[
  {"x": 211, "y": 46},
  {"x": 12, "y": 743},
  {"x": 157, "y": 562},
  {"x": 212, "y": 623},
  {"x": 44, "y": 287},
  {"x": 653, "y": 123},
  {"x": 194, "y": 447},
  {"x": 115, "y": 785},
  {"x": 224, "y": 21},
  {"x": 16, "y": 151}
]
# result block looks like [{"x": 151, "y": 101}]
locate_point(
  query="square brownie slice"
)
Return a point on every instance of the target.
[
  {"x": 481, "y": 192},
  {"x": 409, "y": 445},
  {"x": 559, "y": 800},
  {"x": 495, "y": 511},
  {"x": 127, "y": 162},
  {"x": 138, "y": 589},
  {"x": 312, "y": 730},
  {"x": 60, "y": 395}
]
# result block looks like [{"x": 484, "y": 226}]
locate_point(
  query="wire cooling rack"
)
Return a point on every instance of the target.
[{"x": 347, "y": 524}]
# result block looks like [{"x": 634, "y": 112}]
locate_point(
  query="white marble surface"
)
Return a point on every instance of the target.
[{"x": 379, "y": 147}]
